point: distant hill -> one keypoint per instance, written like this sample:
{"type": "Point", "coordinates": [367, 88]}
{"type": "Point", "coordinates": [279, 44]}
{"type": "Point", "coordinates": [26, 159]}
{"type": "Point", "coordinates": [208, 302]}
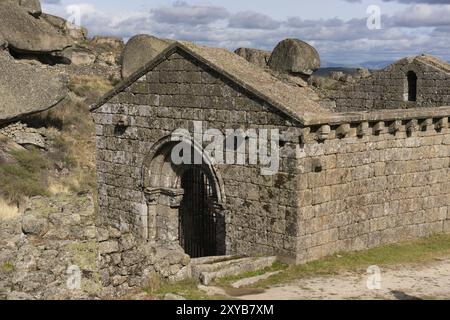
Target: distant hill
{"type": "Point", "coordinates": [324, 72]}
{"type": "Point", "coordinates": [376, 65]}
{"type": "Point", "coordinates": [371, 65]}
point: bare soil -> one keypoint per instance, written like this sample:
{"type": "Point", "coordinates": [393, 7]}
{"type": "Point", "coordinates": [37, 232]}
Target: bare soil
{"type": "Point", "coordinates": [425, 281]}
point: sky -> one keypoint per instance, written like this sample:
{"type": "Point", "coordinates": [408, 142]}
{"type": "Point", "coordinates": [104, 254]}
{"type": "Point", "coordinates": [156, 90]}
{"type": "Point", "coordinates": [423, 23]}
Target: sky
{"type": "Point", "coordinates": [343, 31]}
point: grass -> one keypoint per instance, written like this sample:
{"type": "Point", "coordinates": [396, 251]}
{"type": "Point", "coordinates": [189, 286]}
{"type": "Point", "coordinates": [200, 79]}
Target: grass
{"type": "Point", "coordinates": [406, 253]}
{"type": "Point", "coordinates": [415, 252]}
{"type": "Point", "coordinates": [89, 87]}
{"type": "Point", "coordinates": [7, 267]}
{"type": "Point", "coordinates": [25, 177]}
{"type": "Point", "coordinates": [8, 211]}
{"type": "Point", "coordinates": [72, 131]}
{"type": "Point", "coordinates": [187, 289]}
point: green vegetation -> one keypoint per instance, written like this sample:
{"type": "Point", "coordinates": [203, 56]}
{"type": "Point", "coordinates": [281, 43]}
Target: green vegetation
{"type": "Point", "coordinates": [89, 87]}
{"type": "Point", "coordinates": [84, 254]}
{"type": "Point", "coordinates": [414, 252]}
{"type": "Point", "coordinates": [71, 147]}
{"type": "Point", "coordinates": [407, 253]}
{"type": "Point", "coordinates": [7, 267]}
{"type": "Point", "coordinates": [26, 177]}
{"type": "Point", "coordinates": [187, 289]}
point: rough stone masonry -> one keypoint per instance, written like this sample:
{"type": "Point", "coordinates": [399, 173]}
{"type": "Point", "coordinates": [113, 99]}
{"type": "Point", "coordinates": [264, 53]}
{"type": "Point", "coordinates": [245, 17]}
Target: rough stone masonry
{"type": "Point", "coordinates": [347, 181]}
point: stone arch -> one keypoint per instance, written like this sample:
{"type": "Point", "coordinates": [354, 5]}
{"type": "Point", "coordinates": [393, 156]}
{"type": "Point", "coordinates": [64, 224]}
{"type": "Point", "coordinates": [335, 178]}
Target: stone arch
{"type": "Point", "coordinates": [164, 193]}
{"type": "Point", "coordinates": [159, 172]}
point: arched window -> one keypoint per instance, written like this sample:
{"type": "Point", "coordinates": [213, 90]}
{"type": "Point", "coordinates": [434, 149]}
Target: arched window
{"type": "Point", "coordinates": [412, 86]}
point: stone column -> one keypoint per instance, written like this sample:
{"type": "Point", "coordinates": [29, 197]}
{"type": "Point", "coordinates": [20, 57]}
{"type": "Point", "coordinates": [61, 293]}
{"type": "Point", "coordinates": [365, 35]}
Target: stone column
{"type": "Point", "coordinates": [163, 215]}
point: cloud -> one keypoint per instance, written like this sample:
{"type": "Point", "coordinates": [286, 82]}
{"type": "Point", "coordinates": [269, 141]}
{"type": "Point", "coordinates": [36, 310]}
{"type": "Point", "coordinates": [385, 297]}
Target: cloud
{"type": "Point", "coordinates": [415, 29]}
{"type": "Point", "coordinates": [253, 20]}
{"type": "Point", "coordinates": [183, 13]}
{"type": "Point", "coordinates": [423, 15]}
{"type": "Point", "coordinates": [409, 1]}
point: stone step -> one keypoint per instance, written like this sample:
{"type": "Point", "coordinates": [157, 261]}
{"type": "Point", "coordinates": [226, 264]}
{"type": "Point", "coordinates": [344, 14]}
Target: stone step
{"type": "Point", "coordinates": [234, 268]}
{"type": "Point", "coordinates": [210, 260]}
{"type": "Point", "coordinates": [198, 269]}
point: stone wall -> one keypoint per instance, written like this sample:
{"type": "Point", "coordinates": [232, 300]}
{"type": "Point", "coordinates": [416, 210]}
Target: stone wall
{"type": "Point", "coordinates": [388, 88]}
{"type": "Point", "coordinates": [383, 186]}
{"type": "Point", "coordinates": [343, 184]}
{"type": "Point", "coordinates": [259, 211]}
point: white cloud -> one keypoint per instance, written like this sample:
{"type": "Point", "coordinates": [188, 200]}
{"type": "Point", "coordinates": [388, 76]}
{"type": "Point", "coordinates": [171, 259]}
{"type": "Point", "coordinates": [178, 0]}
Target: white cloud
{"type": "Point", "coordinates": [415, 29]}
{"type": "Point", "coordinates": [183, 13]}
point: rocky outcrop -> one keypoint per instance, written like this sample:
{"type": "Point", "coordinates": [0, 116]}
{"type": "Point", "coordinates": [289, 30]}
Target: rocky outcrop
{"type": "Point", "coordinates": [112, 43]}
{"type": "Point", "coordinates": [3, 44]}
{"type": "Point", "coordinates": [32, 6]}
{"type": "Point", "coordinates": [77, 33]}
{"type": "Point", "coordinates": [296, 57]}
{"type": "Point", "coordinates": [140, 50]}
{"type": "Point", "coordinates": [26, 89]}
{"type": "Point", "coordinates": [51, 251]}
{"type": "Point", "coordinates": [79, 56]}
{"type": "Point", "coordinates": [255, 56]}
{"type": "Point", "coordinates": [26, 33]}
{"type": "Point", "coordinates": [24, 136]}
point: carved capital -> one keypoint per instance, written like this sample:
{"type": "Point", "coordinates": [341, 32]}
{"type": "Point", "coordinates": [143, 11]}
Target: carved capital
{"type": "Point", "coordinates": [173, 197]}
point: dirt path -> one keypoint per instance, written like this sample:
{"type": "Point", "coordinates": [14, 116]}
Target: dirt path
{"type": "Point", "coordinates": [429, 281]}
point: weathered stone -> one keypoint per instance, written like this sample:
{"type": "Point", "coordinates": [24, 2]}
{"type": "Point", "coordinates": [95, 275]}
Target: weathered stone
{"type": "Point", "coordinates": [255, 56]}
{"type": "Point", "coordinates": [294, 56]}
{"type": "Point", "coordinates": [108, 247]}
{"type": "Point", "coordinates": [110, 42]}
{"type": "Point", "coordinates": [348, 183]}
{"type": "Point", "coordinates": [25, 33]}
{"type": "Point", "coordinates": [127, 242]}
{"type": "Point", "coordinates": [139, 50]}
{"type": "Point", "coordinates": [171, 296]}
{"type": "Point", "coordinates": [34, 225]}
{"type": "Point", "coordinates": [102, 234]}
{"type": "Point", "coordinates": [32, 6]}
{"type": "Point", "coordinates": [78, 56]}
{"type": "Point", "coordinates": [390, 88]}
{"type": "Point", "coordinates": [65, 27]}
{"type": "Point", "coordinates": [26, 90]}
{"type": "Point", "coordinates": [30, 138]}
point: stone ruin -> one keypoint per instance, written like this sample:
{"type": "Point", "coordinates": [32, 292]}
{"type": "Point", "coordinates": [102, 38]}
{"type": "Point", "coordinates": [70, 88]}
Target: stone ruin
{"type": "Point", "coordinates": [351, 177]}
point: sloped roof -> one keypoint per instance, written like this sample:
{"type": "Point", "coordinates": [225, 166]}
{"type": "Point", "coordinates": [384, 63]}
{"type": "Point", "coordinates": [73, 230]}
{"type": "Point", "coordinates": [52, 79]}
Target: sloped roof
{"type": "Point", "coordinates": [299, 103]}
{"type": "Point", "coordinates": [435, 62]}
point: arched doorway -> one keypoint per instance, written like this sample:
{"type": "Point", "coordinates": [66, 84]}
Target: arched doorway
{"type": "Point", "coordinates": [198, 224]}
{"type": "Point", "coordinates": [185, 203]}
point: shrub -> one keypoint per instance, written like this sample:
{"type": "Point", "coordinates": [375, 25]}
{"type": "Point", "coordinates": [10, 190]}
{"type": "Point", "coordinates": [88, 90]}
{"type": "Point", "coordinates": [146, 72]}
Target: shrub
{"type": "Point", "coordinates": [24, 178]}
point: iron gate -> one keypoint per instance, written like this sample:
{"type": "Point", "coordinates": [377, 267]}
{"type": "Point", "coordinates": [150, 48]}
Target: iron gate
{"type": "Point", "coordinates": [198, 221]}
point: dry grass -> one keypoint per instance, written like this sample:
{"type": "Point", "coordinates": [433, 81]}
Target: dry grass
{"type": "Point", "coordinates": [7, 211]}
{"type": "Point", "coordinates": [89, 87]}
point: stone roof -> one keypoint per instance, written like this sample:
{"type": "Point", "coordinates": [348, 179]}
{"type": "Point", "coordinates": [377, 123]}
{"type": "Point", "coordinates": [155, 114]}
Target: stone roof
{"type": "Point", "coordinates": [300, 103]}
{"type": "Point", "coordinates": [435, 62]}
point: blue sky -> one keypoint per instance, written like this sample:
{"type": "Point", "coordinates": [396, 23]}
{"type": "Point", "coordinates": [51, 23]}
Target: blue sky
{"type": "Point", "coordinates": [337, 28]}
